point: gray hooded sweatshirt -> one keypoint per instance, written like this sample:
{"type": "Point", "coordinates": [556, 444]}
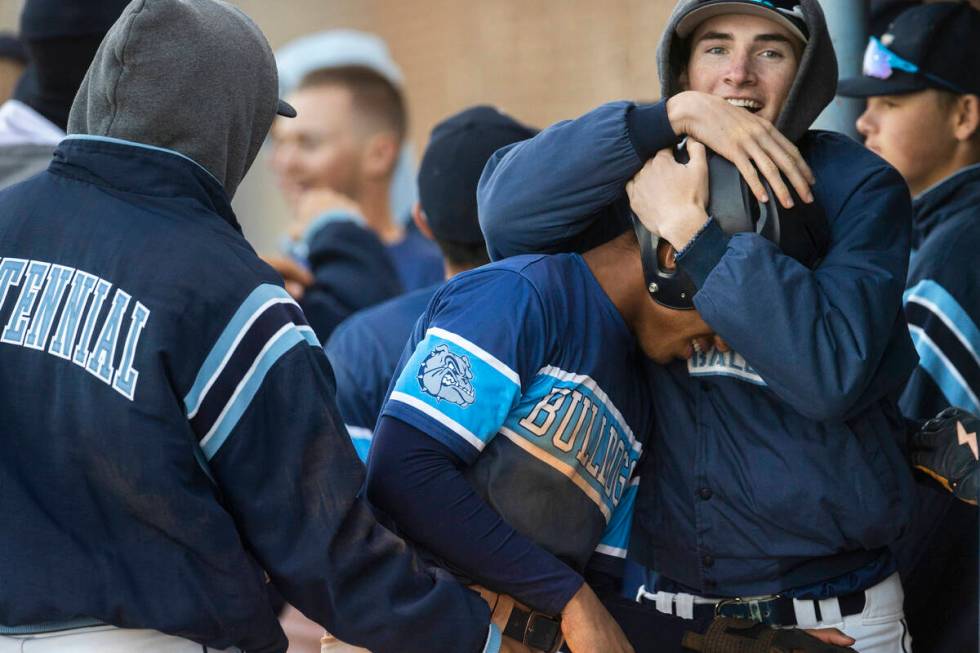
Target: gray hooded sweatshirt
{"type": "Point", "coordinates": [212, 100]}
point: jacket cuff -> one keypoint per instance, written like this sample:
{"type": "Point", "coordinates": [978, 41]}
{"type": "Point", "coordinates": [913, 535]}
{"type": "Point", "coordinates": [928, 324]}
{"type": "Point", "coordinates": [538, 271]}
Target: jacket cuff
{"type": "Point", "coordinates": [301, 249]}
{"type": "Point", "coordinates": [649, 129]}
{"type": "Point", "coordinates": [702, 254]}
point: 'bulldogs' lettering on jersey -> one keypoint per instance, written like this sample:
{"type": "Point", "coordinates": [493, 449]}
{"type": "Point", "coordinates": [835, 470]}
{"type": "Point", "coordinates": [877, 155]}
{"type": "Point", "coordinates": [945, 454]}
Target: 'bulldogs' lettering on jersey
{"type": "Point", "coordinates": [578, 430]}
{"type": "Point", "coordinates": [43, 289]}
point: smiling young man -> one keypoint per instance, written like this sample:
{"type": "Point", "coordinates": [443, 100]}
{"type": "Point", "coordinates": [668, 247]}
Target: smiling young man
{"type": "Point", "coordinates": [777, 473]}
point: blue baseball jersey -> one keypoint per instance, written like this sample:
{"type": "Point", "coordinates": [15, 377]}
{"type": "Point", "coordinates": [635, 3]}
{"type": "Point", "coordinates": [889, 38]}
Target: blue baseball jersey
{"type": "Point", "coordinates": [417, 260]}
{"type": "Point", "coordinates": [364, 352]}
{"type": "Point", "coordinates": [526, 370]}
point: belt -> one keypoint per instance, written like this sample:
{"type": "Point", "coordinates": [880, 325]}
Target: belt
{"type": "Point", "coordinates": [774, 610]}
{"type": "Point", "coordinates": [49, 627]}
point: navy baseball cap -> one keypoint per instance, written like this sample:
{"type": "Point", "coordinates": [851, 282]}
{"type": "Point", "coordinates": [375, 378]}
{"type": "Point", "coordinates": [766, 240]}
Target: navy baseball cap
{"type": "Point", "coordinates": [929, 46]}
{"type": "Point", "coordinates": [788, 13]}
{"type": "Point", "coordinates": [458, 150]}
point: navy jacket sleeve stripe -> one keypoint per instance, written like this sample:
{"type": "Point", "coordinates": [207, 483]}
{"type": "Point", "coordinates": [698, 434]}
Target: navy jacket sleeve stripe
{"type": "Point", "coordinates": [947, 340]}
{"type": "Point", "coordinates": [251, 309]}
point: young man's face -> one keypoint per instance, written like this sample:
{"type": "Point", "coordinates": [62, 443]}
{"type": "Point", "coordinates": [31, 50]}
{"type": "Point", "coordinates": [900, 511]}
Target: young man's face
{"type": "Point", "coordinates": [913, 132]}
{"type": "Point", "coordinates": [749, 61]}
{"type": "Point", "coordinates": [321, 147]}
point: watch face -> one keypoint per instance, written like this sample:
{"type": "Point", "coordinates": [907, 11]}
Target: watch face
{"type": "Point", "coordinates": [543, 633]}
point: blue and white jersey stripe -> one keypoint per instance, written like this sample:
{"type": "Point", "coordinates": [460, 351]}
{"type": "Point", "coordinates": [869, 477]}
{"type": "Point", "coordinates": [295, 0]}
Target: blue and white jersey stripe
{"type": "Point", "coordinates": [947, 341]}
{"type": "Point", "coordinates": [266, 325]}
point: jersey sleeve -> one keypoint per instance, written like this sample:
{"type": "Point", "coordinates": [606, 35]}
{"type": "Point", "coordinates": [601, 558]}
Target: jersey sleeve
{"type": "Point", "coordinates": [483, 337]}
{"type": "Point", "coordinates": [358, 363]}
{"type": "Point", "coordinates": [271, 438]}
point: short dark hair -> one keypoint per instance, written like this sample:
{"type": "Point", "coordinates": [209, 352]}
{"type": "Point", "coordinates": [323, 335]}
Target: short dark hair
{"type": "Point", "coordinates": [372, 93]}
{"type": "Point", "coordinates": [464, 255]}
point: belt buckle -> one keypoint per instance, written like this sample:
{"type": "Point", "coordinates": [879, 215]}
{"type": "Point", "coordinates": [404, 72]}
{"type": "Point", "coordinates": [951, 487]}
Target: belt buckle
{"type": "Point", "coordinates": [752, 607]}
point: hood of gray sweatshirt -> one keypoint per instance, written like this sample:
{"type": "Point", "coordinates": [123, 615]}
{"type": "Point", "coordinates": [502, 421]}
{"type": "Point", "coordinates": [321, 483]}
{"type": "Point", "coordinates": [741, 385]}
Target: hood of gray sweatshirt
{"type": "Point", "coordinates": [814, 85]}
{"type": "Point", "coordinates": [194, 76]}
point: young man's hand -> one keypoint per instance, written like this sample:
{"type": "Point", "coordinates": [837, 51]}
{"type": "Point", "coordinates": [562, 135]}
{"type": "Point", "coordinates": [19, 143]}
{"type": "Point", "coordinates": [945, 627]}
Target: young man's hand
{"type": "Point", "coordinates": [589, 628]}
{"type": "Point", "coordinates": [671, 198]}
{"type": "Point", "coordinates": [752, 143]}
{"type": "Point", "coordinates": [296, 278]}
{"type": "Point", "coordinates": [727, 634]}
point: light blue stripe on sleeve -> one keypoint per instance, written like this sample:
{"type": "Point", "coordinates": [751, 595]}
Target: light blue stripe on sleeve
{"type": "Point", "coordinates": [288, 337]}
{"type": "Point", "coordinates": [943, 372]}
{"type": "Point", "coordinates": [615, 541]}
{"type": "Point", "coordinates": [226, 343]}
{"type": "Point", "coordinates": [937, 299]}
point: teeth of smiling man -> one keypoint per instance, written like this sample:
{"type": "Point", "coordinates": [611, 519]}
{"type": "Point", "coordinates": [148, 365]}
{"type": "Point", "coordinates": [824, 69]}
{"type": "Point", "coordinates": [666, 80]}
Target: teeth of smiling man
{"type": "Point", "coordinates": [744, 103]}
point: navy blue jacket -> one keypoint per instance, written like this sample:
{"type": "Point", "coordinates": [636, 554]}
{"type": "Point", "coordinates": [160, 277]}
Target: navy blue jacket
{"type": "Point", "coordinates": [778, 466]}
{"type": "Point", "coordinates": [352, 270]}
{"type": "Point", "coordinates": [942, 302]}
{"type": "Point", "coordinates": [364, 352]}
{"type": "Point", "coordinates": [169, 430]}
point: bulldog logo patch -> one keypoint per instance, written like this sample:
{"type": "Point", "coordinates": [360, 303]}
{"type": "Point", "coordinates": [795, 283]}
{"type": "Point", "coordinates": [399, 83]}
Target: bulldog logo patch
{"type": "Point", "coordinates": [447, 376]}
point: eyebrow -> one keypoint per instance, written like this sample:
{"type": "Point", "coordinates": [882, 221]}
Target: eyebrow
{"type": "Point", "coordinates": [725, 36]}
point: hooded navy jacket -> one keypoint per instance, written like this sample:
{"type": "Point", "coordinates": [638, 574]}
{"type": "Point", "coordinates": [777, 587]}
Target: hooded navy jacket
{"type": "Point", "coordinates": [169, 428]}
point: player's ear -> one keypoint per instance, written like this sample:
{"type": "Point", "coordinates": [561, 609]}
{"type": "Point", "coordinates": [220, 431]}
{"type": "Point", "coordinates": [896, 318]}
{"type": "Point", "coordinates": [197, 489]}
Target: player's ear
{"type": "Point", "coordinates": [380, 154]}
{"type": "Point", "coordinates": [966, 117]}
{"type": "Point", "coordinates": [421, 221]}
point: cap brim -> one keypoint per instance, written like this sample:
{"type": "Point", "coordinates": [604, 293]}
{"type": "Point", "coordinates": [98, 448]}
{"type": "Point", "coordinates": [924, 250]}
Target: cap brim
{"type": "Point", "coordinates": [696, 16]}
{"type": "Point", "coordinates": [285, 109]}
{"type": "Point", "coordinates": [863, 87]}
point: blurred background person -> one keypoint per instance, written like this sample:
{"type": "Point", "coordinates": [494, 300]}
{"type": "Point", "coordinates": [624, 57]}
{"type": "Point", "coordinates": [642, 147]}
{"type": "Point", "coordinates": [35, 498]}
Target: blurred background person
{"type": "Point", "coordinates": [350, 139]}
{"type": "Point", "coordinates": [365, 349]}
{"type": "Point", "coordinates": [13, 59]}
{"type": "Point", "coordinates": [60, 37]}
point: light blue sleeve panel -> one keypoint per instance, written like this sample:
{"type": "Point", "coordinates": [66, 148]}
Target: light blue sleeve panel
{"type": "Point", "coordinates": [615, 540]}
{"type": "Point", "coordinates": [482, 338]}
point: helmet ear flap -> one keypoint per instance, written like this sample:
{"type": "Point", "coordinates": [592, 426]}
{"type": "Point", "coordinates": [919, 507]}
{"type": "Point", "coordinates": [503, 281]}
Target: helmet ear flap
{"type": "Point", "coordinates": [801, 232]}
{"type": "Point", "coordinates": [667, 284]}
